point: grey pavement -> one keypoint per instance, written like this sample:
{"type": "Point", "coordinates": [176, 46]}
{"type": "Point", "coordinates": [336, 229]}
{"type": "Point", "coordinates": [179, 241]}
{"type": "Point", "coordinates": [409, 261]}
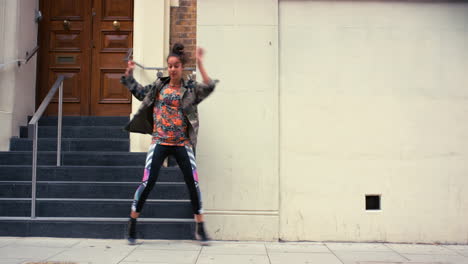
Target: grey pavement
{"type": "Point", "coordinates": [34, 250]}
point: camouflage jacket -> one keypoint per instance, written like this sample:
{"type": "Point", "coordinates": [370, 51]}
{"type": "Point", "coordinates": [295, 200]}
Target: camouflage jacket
{"type": "Point", "coordinates": [192, 94]}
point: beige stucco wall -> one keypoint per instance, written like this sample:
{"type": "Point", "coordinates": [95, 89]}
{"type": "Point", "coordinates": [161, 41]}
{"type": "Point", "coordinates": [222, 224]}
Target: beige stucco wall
{"type": "Point", "coordinates": [356, 98]}
{"type": "Point", "coordinates": [373, 101]}
{"type": "Point", "coordinates": [150, 48]}
{"type": "Point", "coordinates": [239, 179]}
{"type": "Point", "coordinates": [18, 34]}
{"type": "Point", "coordinates": [238, 142]}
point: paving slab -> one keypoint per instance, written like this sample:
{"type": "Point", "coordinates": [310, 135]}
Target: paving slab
{"type": "Point", "coordinates": [421, 249]}
{"type": "Point", "coordinates": [399, 262]}
{"type": "Point", "coordinates": [460, 249]}
{"type": "Point", "coordinates": [297, 248]}
{"type": "Point", "coordinates": [103, 244]}
{"type": "Point", "coordinates": [27, 252]}
{"type": "Point", "coordinates": [14, 261]}
{"type": "Point", "coordinates": [46, 242]}
{"type": "Point", "coordinates": [439, 259]}
{"type": "Point", "coordinates": [162, 256]}
{"type": "Point", "coordinates": [169, 245]}
{"type": "Point", "coordinates": [232, 259]}
{"type": "Point", "coordinates": [373, 247]}
{"type": "Point", "coordinates": [303, 258]}
{"type": "Point", "coordinates": [92, 255]}
{"type": "Point", "coordinates": [4, 241]}
{"type": "Point", "coordinates": [350, 257]}
{"type": "Point", "coordinates": [227, 248]}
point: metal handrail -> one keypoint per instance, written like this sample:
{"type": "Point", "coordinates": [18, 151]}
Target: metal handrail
{"type": "Point", "coordinates": [159, 69]}
{"type": "Point", "coordinates": [33, 132]}
{"type": "Point", "coordinates": [28, 56]}
{"type": "Point", "coordinates": [13, 61]}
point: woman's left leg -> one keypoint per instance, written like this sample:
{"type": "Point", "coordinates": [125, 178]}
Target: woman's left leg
{"type": "Point", "coordinates": [186, 159]}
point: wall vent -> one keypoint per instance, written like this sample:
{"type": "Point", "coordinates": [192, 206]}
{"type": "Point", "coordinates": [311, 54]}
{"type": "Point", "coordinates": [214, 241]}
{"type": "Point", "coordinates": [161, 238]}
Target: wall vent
{"type": "Point", "coordinates": [372, 202]}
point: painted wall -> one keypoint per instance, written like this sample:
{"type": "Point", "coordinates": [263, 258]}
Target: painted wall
{"type": "Point", "coordinates": [373, 100]}
{"type": "Point", "coordinates": [238, 142]}
{"type": "Point", "coordinates": [241, 162]}
{"type": "Point", "coordinates": [150, 48]}
{"type": "Point", "coordinates": [18, 33]}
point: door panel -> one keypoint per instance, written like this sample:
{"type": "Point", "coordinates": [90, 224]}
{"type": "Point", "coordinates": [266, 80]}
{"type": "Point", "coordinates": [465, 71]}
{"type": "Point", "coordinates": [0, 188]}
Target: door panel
{"type": "Point", "coordinates": [71, 85]}
{"type": "Point", "coordinates": [67, 9]}
{"type": "Point", "coordinates": [117, 10]}
{"type": "Point", "coordinates": [111, 90]}
{"type": "Point", "coordinates": [115, 41]}
{"type": "Point", "coordinates": [113, 36]}
{"type": "Point", "coordinates": [88, 48]}
{"type": "Point", "coordinates": [65, 49]}
{"type": "Point", "coordinates": [65, 41]}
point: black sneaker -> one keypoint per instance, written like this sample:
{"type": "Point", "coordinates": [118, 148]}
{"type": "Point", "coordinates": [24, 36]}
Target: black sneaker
{"type": "Point", "coordinates": [200, 234]}
{"type": "Point", "coordinates": [131, 231]}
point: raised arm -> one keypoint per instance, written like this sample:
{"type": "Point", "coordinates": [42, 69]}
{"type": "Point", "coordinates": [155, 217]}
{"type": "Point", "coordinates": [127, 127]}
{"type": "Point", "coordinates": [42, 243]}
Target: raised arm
{"type": "Point", "coordinates": [138, 90]}
{"type": "Point", "coordinates": [207, 86]}
{"type": "Point", "coordinates": [199, 55]}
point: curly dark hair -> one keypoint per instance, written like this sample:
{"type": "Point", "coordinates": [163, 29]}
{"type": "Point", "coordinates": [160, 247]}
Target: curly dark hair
{"type": "Point", "coordinates": [178, 51]}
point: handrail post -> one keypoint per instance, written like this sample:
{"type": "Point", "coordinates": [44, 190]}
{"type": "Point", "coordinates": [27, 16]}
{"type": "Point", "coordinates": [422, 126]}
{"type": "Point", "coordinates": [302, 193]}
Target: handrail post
{"type": "Point", "coordinates": [59, 125]}
{"type": "Point", "coordinates": [34, 171]}
{"type": "Point", "coordinates": [33, 127]}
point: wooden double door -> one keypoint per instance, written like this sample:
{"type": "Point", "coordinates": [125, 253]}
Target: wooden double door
{"type": "Point", "coordinates": [85, 40]}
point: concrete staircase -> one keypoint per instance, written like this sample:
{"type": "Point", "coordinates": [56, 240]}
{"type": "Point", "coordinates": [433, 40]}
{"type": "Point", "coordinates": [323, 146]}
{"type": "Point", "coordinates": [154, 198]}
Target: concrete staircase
{"type": "Point", "coordinates": [89, 196]}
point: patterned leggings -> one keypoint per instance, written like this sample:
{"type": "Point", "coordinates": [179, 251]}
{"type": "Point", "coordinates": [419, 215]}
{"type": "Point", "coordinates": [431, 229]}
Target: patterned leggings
{"type": "Point", "coordinates": [154, 159]}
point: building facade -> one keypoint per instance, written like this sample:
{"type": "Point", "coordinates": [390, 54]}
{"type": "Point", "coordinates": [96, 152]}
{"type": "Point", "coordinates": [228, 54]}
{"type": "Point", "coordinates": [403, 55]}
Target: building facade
{"type": "Point", "coordinates": [320, 105]}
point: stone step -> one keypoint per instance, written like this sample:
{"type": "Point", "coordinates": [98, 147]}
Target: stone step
{"type": "Point", "coordinates": [78, 132]}
{"type": "Point", "coordinates": [84, 120]}
{"type": "Point", "coordinates": [91, 190]}
{"type": "Point", "coordinates": [71, 144]}
{"type": "Point", "coordinates": [78, 158]}
{"type": "Point", "coordinates": [109, 228]}
{"type": "Point", "coordinates": [95, 208]}
{"type": "Point", "coordinates": [86, 173]}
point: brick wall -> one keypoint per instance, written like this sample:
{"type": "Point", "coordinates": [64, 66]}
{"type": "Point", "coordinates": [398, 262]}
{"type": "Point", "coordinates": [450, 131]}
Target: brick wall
{"type": "Point", "coordinates": [184, 27]}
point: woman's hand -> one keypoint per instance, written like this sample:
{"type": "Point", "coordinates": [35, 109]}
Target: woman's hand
{"type": "Point", "coordinates": [130, 67]}
{"type": "Point", "coordinates": [199, 54]}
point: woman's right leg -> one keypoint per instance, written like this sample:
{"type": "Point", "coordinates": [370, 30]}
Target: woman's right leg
{"type": "Point", "coordinates": [154, 160]}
